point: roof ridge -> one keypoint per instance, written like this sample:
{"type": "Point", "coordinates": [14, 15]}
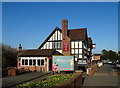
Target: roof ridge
{"type": "Point", "coordinates": [77, 29]}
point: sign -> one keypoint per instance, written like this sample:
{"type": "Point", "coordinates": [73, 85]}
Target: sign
{"type": "Point", "coordinates": [82, 62]}
{"type": "Point", "coordinates": [63, 63]}
{"type": "Point", "coordinates": [66, 46]}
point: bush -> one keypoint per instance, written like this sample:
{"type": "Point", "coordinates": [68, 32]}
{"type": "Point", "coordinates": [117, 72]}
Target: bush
{"type": "Point", "coordinates": [53, 80]}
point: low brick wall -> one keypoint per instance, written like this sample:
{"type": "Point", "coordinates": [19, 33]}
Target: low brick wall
{"type": "Point", "coordinates": [74, 82]}
{"type": "Point", "coordinates": [32, 68]}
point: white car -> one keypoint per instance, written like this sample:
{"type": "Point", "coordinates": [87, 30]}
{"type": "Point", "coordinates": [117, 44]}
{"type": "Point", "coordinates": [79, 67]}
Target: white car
{"type": "Point", "coordinates": [110, 62]}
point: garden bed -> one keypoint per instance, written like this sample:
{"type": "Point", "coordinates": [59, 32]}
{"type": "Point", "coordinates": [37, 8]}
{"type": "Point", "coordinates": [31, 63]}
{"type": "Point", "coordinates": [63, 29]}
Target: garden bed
{"type": "Point", "coordinates": [55, 81]}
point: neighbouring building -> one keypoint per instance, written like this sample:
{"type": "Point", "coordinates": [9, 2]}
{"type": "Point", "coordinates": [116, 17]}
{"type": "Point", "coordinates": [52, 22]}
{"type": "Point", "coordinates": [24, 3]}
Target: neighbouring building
{"type": "Point", "coordinates": [96, 57]}
{"type": "Point", "coordinates": [63, 41]}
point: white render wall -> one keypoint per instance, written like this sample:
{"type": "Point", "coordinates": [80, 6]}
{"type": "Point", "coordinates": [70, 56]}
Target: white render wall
{"type": "Point", "coordinates": [80, 44]}
{"type": "Point", "coordinates": [54, 37]}
{"type": "Point", "coordinates": [59, 51]}
{"type": "Point", "coordinates": [76, 43]}
{"type": "Point", "coordinates": [72, 44]}
{"type": "Point", "coordinates": [80, 56]}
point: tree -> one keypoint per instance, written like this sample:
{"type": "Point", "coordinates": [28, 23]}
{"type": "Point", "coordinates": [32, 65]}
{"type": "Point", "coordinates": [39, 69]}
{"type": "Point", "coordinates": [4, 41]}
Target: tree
{"type": "Point", "coordinates": [113, 56]}
{"type": "Point", "coordinates": [104, 55]}
{"type": "Point", "coordinates": [9, 56]}
{"type": "Point", "coordinates": [109, 55]}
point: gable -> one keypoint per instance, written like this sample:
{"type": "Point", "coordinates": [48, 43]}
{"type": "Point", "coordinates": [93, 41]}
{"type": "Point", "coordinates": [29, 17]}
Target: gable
{"type": "Point", "coordinates": [56, 35]}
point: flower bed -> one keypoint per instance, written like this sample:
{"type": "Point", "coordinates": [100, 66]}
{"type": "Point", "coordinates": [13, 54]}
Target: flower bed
{"type": "Point", "coordinates": [54, 80]}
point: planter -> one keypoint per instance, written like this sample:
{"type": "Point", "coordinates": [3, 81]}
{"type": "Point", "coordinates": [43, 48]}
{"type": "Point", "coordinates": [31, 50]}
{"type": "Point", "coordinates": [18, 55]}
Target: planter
{"type": "Point", "coordinates": [12, 71]}
{"type": "Point", "coordinates": [74, 82]}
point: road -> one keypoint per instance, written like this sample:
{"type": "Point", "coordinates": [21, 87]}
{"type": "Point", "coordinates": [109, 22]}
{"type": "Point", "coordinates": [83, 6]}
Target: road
{"type": "Point", "coordinates": [104, 76]}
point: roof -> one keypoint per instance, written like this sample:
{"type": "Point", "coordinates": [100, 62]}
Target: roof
{"type": "Point", "coordinates": [77, 34]}
{"type": "Point", "coordinates": [39, 52]}
{"type": "Point", "coordinates": [97, 54]}
{"type": "Point", "coordinates": [73, 34]}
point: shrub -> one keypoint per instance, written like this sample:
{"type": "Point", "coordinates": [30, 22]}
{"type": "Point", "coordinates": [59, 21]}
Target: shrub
{"type": "Point", "coordinates": [51, 81]}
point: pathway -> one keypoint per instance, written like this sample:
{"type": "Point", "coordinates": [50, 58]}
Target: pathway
{"type": "Point", "coordinates": [105, 76]}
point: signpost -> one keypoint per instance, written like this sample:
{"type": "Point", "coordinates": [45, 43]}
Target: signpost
{"type": "Point", "coordinates": [63, 63]}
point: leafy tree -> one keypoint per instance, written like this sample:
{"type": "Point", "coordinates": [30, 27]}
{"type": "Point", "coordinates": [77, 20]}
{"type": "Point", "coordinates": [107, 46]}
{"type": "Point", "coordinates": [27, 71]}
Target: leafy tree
{"type": "Point", "coordinates": [109, 55]}
{"type": "Point", "coordinates": [113, 56]}
{"type": "Point", "coordinates": [104, 55]}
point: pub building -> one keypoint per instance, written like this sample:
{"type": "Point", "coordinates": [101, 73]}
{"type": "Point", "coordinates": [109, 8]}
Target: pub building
{"type": "Point", "coordinates": [60, 42]}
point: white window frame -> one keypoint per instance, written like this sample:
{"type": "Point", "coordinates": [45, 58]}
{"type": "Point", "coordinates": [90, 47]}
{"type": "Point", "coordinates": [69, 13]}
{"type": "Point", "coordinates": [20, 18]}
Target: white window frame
{"type": "Point", "coordinates": [32, 61]}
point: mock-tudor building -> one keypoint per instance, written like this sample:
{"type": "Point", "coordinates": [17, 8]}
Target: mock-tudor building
{"type": "Point", "coordinates": [67, 42]}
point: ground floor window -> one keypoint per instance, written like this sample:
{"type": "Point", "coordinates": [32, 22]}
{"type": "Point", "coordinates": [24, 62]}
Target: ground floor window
{"type": "Point", "coordinates": [32, 62]}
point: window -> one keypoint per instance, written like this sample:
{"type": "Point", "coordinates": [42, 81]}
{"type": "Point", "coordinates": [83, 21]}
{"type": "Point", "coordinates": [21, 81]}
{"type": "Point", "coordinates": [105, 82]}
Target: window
{"type": "Point", "coordinates": [26, 61]}
{"type": "Point", "coordinates": [30, 62]}
{"type": "Point", "coordinates": [56, 45]}
{"type": "Point", "coordinates": [38, 62]}
{"type": "Point", "coordinates": [34, 62]}
{"type": "Point", "coordinates": [23, 61]}
{"type": "Point", "coordinates": [59, 44]}
{"type": "Point", "coordinates": [42, 62]}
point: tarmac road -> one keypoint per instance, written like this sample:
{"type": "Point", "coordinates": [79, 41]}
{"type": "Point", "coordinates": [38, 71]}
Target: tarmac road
{"type": "Point", "coordinates": [106, 76]}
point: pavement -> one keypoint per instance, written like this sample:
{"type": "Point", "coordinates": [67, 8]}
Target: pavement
{"type": "Point", "coordinates": [106, 76]}
{"type": "Point", "coordinates": [12, 81]}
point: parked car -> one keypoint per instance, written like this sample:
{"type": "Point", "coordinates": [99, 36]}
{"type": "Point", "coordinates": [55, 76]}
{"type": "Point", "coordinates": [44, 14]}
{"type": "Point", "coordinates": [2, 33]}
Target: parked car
{"type": "Point", "coordinates": [117, 64]}
{"type": "Point", "coordinates": [110, 62]}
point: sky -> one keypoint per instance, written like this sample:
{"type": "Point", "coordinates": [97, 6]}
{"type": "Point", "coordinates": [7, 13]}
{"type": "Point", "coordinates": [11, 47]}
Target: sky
{"type": "Point", "coordinates": [30, 23]}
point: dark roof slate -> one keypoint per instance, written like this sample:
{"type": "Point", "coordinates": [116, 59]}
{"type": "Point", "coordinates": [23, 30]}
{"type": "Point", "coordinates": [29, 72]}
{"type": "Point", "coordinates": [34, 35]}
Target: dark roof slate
{"type": "Point", "coordinates": [37, 52]}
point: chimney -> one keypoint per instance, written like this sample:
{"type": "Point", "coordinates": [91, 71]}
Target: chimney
{"type": "Point", "coordinates": [64, 28]}
{"type": "Point", "coordinates": [19, 49]}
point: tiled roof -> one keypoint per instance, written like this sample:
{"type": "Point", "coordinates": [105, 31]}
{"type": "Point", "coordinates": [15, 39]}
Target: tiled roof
{"type": "Point", "coordinates": [38, 52]}
{"type": "Point", "coordinates": [77, 34]}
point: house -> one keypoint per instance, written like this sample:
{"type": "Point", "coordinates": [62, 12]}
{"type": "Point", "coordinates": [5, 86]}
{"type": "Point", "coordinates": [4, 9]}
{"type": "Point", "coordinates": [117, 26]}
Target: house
{"type": "Point", "coordinates": [36, 59]}
{"type": "Point", "coordinates": [70, 42]}
{"type": "Point", "coordinates": [96, 57]}
{"type": "Point", "coordinates": [64, 41]}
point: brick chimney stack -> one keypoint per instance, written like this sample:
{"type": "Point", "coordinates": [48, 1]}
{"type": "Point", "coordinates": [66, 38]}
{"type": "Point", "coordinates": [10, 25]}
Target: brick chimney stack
{"type": "Point", "coordinates": [64, 28]}
{"type": "Point", "coordinates": [65, 39]}
{"type": "Point", "coordinates": [19, 49]}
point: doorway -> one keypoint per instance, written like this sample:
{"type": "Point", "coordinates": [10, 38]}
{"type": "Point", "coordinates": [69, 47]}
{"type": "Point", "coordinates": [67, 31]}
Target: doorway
{"type": "Point", "coordinates": [50, 64]}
